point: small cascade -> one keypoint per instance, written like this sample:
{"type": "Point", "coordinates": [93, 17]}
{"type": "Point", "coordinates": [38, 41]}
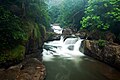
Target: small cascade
{"type": "Point", "coordinates": [68, 48]}
{"type": "Point", "coordinates": [77, 45]}
{"type": "Point", "coordinates": [61, 39]}
{"type": "Point", "coordinates": [70, 41]}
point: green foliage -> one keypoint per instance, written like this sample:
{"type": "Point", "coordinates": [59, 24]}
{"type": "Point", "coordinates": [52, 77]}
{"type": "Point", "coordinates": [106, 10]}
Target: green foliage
{"type": "Point", "coordinates": [15, 14]}
{"type": "Point", "coordinates": [37, 33]}
{"type": "Point", "coordinates": [101, 43]}
{"type": "Point", "coordinates": [49, 35]}
{"type": "Point", "coordinates": [68, 12]}
{"type": "Point", "coordinates": [72, 12]}
{"type": "Point", "coordinates": [18, 20]}
{"type": "Point", "coordinates": [54, 12]}
{"type": "Point", "coordinates": [37, 11]}
{"type": "Point", "coordinates": [93, 22]}
{"type": "Point", "coordinates": [14, 55]}
{"type": "Point", "coordinates": [34, 10]}
{"type": "Point", "coordinates": [102, 15]}
{"type": "Point", "coordinates": [43, 32]}
{"type": "Point", "coordinates": [11, 31]}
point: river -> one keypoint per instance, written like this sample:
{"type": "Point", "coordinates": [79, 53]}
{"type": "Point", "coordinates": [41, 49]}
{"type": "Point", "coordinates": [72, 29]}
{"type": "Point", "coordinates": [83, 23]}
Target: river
{"type": "Point", "coordinates": [64, 61]}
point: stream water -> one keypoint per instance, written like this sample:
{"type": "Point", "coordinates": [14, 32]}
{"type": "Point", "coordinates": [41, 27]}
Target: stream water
{"type": "Point", "coordinates": [64, 61]}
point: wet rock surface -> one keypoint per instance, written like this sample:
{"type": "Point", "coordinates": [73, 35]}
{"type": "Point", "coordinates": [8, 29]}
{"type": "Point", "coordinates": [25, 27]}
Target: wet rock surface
{"type": "Point", "coordinates": [29, 69]}
{"type": "Point", "coordinates": [67, 31]}
{"type": "Point", "coordinates": [83, 34]}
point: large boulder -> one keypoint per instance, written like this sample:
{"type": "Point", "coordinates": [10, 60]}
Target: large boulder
{"type": "Point", "coordinates": [95, 35]}
{"type": "Point", "coordinates": [67, 31]}
{"type": "Point", "coordinates": [82, 34]}
{"type": "Point", "coordinates": [36, 39]}
{"type": "Point", "coordinates": [30, 69]}
{"type": "Point", "coordinates": [109, 36]}
{"type": "Point", "coordinates": [103, 51]}
{"type": "Point", "coordinates": [50, 36]}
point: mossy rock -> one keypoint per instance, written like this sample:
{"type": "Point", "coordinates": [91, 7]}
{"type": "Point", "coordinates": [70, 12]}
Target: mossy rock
{"type": "Point", "coordinates": [43, 31]}
{"type": "Point", "coordinates": [101, 43]}
{"type": "Point", "coordinates": [14, 55]}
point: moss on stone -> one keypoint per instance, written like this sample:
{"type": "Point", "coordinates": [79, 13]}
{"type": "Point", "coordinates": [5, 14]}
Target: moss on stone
{"type": "Point", "coordinates": [14, 55]}
{"type": "Point", "coordinates": [43, 31]}
{"type": "Point", "coordinates": [101, 43]}
{"type": "Point", "coordinates": [37, 32]}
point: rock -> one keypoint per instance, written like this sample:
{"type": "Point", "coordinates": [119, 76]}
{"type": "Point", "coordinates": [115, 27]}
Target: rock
{"type": "Point", "coordinates": [52, 36]}
{"type": "Point", "coordinates": [71, 47]}
{"type": "Point", "coordinates": [94, 35]}
{"type": "Point", "coordinates": [82, 34]}
{"type": "Point", "coordinates": [56, 37]}
{"type": "Point", "coordinates": [109, 36]}
{"type": "Point", "coordinates": [67, 31]}
{"type": "Point", "coordinates": [109, 54]}
{"type": "Point", "coordinates": [30, 69]}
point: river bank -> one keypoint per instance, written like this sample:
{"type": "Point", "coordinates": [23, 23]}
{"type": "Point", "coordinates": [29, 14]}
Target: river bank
{"type": "Point", "coordinates": [25, 62]}
{"type": "Point", "coordinates": [29, 69]}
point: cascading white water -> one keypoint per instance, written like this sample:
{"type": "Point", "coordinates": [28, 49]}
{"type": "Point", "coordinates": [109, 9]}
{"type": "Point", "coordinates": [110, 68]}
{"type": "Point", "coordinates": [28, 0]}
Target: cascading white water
{"type": "Point", "coordinates": [68, 48]}
{"type": "Point", "coordinates": [70, 41]}
{"type": "Point", "coordinates": [77, 45]}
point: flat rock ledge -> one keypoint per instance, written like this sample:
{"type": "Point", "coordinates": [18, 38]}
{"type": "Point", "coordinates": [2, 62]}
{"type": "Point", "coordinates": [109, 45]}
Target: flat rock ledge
{"type": "Point", "coordinates": [29, 69]}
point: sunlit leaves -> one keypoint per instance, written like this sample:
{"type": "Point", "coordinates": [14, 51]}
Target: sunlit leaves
{"type": "Point", "coordinates": [102, 14]}
{"type": "Point", "coordinates": [105, 4]}
{"type": "Point", "coordinates": [92, 22]}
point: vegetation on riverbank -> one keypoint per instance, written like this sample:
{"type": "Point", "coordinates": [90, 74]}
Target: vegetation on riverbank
{"type": "Point", "coordinates": [21, 23]}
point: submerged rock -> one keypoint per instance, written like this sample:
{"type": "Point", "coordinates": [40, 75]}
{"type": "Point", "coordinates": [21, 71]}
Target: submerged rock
{"type": "Point", "coordinates": [30, 69]}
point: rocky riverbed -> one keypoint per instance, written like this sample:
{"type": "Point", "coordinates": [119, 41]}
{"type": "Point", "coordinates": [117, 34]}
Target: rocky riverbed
{"type": "Point", "coordinates": [29, 69]}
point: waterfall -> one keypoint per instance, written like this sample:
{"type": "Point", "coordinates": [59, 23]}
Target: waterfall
{"type": "Point", "coordinates": [77, 45]}
{"type": "Point", "coordinates": [70, 41]}
{"type": "Point", "coordinates": [61, 39]}
{"type": "Point", "coordinates": [68, 48]}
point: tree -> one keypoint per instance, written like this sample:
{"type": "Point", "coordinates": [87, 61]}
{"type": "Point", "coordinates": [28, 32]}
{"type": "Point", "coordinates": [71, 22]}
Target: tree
{"type": "Point", "coordinates": [14, 14]}
{"type": "Point", "coordinates": [34, 10]}
{"type": "Point", "coordinates": [11, 31]}
{"type": "Point", "coordinates": [71, 12]}
{"type": "Point", "coordinates": [102, 15]}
